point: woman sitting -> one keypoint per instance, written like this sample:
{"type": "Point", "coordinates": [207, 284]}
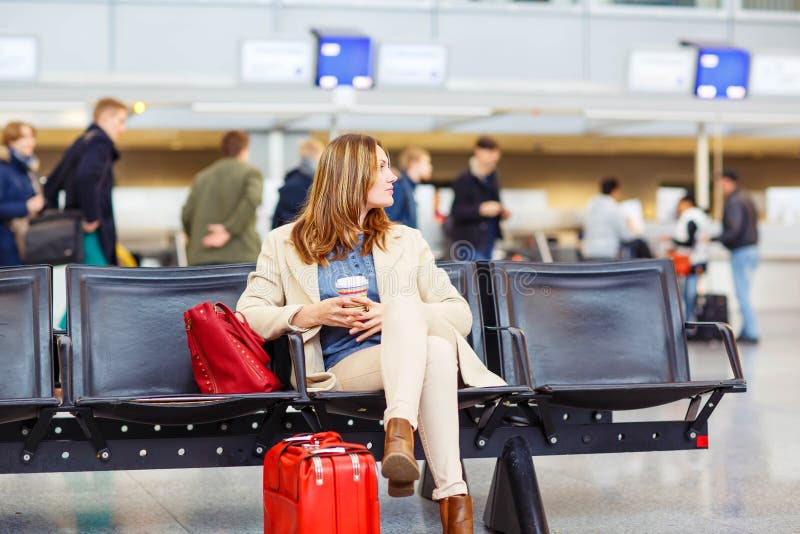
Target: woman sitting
{"type": "Point", "coordinates": [406, 336]}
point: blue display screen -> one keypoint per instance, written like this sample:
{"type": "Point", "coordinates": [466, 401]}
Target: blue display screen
{"type": "Point", "coordinates": [344, 60]}
{"type": "Point", "coordinates": [722, 73]}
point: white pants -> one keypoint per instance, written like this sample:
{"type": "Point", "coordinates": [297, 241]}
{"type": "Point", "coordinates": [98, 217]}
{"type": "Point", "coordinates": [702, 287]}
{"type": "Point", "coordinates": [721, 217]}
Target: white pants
{"type": "Point", "coordinates": [416, 364]}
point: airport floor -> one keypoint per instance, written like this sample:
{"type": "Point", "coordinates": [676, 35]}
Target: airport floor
{"type": "Point", "coordinates": [747, 482]}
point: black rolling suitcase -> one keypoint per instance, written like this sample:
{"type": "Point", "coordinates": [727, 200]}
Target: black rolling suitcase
{"type": "Point", "coordinates": [710, 308]}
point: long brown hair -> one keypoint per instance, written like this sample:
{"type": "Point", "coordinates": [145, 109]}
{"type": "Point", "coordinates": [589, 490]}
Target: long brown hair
{"type": "Point", "coordinates": [329, 221]}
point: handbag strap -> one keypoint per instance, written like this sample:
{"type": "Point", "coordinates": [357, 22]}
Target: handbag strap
{"type": "Point", "coordinates": [242, 329]}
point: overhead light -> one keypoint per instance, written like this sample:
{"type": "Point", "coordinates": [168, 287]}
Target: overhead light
{"type": "Point", "coordinates": [648, 115]}
{"type": "Point", "coordinates": [40, 105]}
{"type": "Point", "coordinates": [435, 111]}
{"type": "Point", "coordinates": [139, 107]}
{"type": "Point", "coordinates": [645, 115]}
{"type": "Point", "coordinates": [262, 108]}
{"type": "Point", "coordinates": [356, 109]}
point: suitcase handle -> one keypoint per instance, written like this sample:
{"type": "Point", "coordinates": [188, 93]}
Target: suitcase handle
{"type": "Point", "coordinates": [343, 448]}
{"type": "Point", "coordinates": [336, 450]}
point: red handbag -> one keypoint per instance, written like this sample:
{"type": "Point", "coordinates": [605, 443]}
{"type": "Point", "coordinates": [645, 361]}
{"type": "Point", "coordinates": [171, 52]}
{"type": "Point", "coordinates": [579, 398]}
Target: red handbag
{"type": "Point", "coordinates": [317, 484]}
{"type": "Point", "coordinates": [227, 356]}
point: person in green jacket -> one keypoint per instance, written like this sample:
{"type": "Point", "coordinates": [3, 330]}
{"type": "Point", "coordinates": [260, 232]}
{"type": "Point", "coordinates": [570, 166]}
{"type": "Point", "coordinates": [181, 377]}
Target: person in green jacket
{"type": "Point", "coordinates": [219, 216]}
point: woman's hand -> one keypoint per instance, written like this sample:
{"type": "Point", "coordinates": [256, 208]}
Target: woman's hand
{"type": "Point", "coordinates": [336, 311]}
{"type": "Point", "coordinates": [370, 322]}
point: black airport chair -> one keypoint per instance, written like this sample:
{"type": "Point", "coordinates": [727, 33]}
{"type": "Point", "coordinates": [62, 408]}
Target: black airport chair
{"type": "Point", "coordinates": [26, 342]}
{"type": "Point", "coordinates": [128, 354]}
{"type": "Point", "coordinates": [603, 336]}
{"type": "Point", "coordinates": [371, 405]}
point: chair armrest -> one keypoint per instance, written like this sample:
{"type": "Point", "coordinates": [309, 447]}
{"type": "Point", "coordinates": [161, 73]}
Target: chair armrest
{"type": "Point", "coordinates": [729, 340]}
{"type": "Point", "coordinates": [298, 355]}
{"type": "Point", "coordinates": [520, 351]}
{"type": "Point", "coordinates": [64, 355]}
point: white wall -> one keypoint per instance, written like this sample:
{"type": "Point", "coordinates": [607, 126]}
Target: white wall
{"type": "Point", "coordinates": [199, 41]}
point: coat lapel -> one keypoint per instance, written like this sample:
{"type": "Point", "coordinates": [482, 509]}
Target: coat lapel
{"type": "Point", "coordinates": [386, 263]}
{"type": "Point", "coordinates": [385, 268]}
{"type": "Point", "coordinates": [305, 275]}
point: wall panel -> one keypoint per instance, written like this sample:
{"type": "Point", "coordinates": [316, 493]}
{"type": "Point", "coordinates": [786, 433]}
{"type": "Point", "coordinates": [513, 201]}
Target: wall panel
{"type": "Point", "coordinates": [543, 46]}
{"type": "Point", "coordinates": [73, 37]}
{"type": "Point", "coordinates": [611, 40]}
{"type": "Point", "coordinates": [187, 40]}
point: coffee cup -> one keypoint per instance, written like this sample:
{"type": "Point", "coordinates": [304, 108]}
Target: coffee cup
{"type": "Point", "coordinates": [352, 286]}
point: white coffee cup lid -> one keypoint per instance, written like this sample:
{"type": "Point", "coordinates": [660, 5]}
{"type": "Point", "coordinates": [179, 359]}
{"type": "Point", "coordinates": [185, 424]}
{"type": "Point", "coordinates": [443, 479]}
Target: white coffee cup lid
{"type": "Point", "coordinates": [351, 281]}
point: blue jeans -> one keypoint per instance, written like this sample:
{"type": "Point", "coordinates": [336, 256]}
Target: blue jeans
{"type": "Point", "coordinates": [744, 261]}
{"type": "Point", "coordinates": [690, 296]}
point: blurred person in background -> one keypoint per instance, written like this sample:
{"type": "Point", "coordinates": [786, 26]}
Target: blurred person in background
{"type": "Point", "coordinates": [476, 212]}
{"type": "Point", "coordinates": [86, 174]}
{"type": "Point", "coordinates": [19, 197]}
{"type": "Point", "coordinates": [219, 216]}
{"type": "Point", "coordinates": [692, 239]}
{"type": "Point", "coordinates": [740, 236]}
{"type": "Point", "coordinates": [604, 224]}
{"type": "Point", "coordinates": [415, 167]}
{"type": "Point", "coordinates": [292, 196]}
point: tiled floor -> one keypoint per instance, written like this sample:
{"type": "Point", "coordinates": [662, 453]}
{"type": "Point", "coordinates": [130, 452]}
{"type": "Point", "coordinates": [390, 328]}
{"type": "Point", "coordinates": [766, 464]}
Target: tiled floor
{"type": "Point", "coordinates": [748, 481]}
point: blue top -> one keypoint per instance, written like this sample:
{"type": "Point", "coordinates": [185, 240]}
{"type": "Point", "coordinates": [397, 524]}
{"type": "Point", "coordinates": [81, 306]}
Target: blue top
{"type": "Point", "coordinates": [337, 343]}
{"type": "Point", "coordinates": [404, 209]}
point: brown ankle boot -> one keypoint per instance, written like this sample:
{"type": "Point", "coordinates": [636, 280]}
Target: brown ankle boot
{"type": "Point", "coordinates": [398, 464]}
{"type": "Point", "coordinates": [456, 512]}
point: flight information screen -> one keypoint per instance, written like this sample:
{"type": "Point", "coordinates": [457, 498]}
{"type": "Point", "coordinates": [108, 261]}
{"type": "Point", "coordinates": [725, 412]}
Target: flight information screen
{"type": "Point", "coordinates": [722, 73]}
{"type": "Point", "coordinates": [344, 60]}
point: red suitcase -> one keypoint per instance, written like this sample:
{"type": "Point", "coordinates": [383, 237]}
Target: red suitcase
{"type": "Point", "coordinates": [317, 484]}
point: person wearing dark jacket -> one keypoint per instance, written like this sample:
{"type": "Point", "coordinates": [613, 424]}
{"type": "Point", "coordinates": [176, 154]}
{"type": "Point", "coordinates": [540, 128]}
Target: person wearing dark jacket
{"type": "Point", "coordinates": [86, 174]}
{"type": "Point", "coordinates": [476, 210]}
{"type": "Point", "coordinates": [740, 236]}
{"type": "Point", "coordinates": [18, 199]}
{"type": "Point", "coordinates": [415, 167]}
{"type": "Point", "coordinates": [292, 196]}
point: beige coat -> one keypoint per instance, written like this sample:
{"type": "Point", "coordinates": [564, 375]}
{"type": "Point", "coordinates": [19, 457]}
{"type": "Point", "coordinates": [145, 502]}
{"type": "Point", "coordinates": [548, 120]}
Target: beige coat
{"type": "Point", "coordinates": [282, 284]}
